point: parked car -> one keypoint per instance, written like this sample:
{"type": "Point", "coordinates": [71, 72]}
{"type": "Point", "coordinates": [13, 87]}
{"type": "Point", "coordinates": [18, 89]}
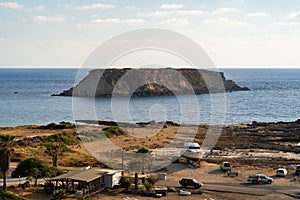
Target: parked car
{"type": "Point", "coordinates": [225, 166]}
{"type": "Point", "coordinates": [297, 171]}
{"type": "Point", "coordinates": [260, 178]}
{"type": "Point", "coordinates": [281, 172]}
{"type": "Point", "coordinates": [184, 193]}
{"type": "Point", "coordinates": [190, 182]}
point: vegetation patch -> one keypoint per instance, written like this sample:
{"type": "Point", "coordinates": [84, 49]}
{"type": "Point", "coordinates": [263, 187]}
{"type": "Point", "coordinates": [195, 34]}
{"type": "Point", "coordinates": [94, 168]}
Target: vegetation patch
{"type": "Point", "coordinates": [64, 137]}
{"type": "Point", "coordinates": [113, 131]}
{"type": "Point", "coordinates": [61, 125]}
{"type": "Point", "coordinates": [143, 150]}
{"type": "Point", "coordinates": [32, 167]}
{"type": "Point", "coordinates": [9, 196]}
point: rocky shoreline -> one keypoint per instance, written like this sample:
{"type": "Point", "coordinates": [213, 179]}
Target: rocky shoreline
{"type": "Point", "coordinates": [151, 83]}
{"type": "Point", "coordinates": [259, 144]}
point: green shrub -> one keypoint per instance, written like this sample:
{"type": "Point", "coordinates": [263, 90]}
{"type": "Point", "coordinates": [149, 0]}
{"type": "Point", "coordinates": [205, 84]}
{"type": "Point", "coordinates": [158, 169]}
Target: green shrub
{"type": "Point", "coordinates": [61, 125]}
{"type": "Point", "coordinates": [148, 186]}
{"type": "Point", "coordinates": [152, 180]}
{"type": "Point", "coordinates": [86, 197]}
{"type": "Point", "coordinates": [64, 137]}
{"type": "Point", "coordinates": [9, 196]}
{"type": "Point", "coordinates": [200, 192]}
{"type": "Point", "coordinates": [95, 134]}
{"type": "Point", "coordinates": [35, 168]}
{"type": "Point", "coordinates": [143, 150]}
{"type": "Point", "coordinates": [126, 182]}
{"type": "Point", "coordinates": [113, 131]}
{"type": "Point", "coordinates": [58, 194]}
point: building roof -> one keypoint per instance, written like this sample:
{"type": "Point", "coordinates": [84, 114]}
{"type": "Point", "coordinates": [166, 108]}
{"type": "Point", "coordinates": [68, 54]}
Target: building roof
{"type": "Point", "coordinates": [109, 171]}
{"type": "Point", "coordinates": [81, 175]}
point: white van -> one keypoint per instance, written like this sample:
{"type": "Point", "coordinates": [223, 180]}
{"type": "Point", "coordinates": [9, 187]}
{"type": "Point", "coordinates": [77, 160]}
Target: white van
{"type": "Point", "coordinates": [281, 172]}
{"type": "Point", "coordinates": [225, 166]}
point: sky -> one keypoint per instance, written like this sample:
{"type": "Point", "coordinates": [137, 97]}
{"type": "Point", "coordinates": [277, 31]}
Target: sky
{"type": "Point", "coordinates": [234, 33]}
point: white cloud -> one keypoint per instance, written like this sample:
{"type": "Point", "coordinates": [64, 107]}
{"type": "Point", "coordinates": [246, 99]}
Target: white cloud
{"type": "Point", "coordinates": [11, 5]}
{"type": "Point", "coordinates": [221, 11]}
{"type": "Point", "coordinates": [225, 21]}
{"type": "Point", "coordinates": [94, 6]}
{"type": "Point", "coordinates": [293, 15]}
{"type": "Point", "coordinates": [287, 23]}
{"type": "Point", "coordinates": [40, 8]}
{"type": "Point", "coordinates": [171, 6]}
{"type": "Point", "coordinates": [191, 12]}
{"type": "Point", "coordinates": [155, 14]}
{"type": "Point", "coordinates": [132, 8]}
{"type": "Point", "coordinates": [44, 19]}
{"type": "Point", "coordinates": [93, 16]}
{"type": "Point", "coordinates": [117, 21]}
{"type": "Point", "coordinates": [257, 14]}
{"type": "Point", "coordinates": [175, 22]}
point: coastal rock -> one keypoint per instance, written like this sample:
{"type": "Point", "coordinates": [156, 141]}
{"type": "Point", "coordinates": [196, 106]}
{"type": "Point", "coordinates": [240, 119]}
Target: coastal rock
{"type": "Point", "coordinates": [150, 83]}
{"type": "Point", "coordinates": [30, 140]}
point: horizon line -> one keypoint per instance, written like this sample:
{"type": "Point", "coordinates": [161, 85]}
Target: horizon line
{"type": "Point", "coordinates": [215, 67]}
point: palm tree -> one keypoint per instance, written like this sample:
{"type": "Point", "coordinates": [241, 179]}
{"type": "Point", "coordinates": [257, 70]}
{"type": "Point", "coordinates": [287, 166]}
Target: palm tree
{"type": "Point", "coordinates": [7, 143]}
{"type": "Point", "coordinates": [55, 149]}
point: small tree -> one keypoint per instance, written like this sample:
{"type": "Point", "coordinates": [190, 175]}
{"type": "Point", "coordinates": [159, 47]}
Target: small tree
{"type": "Point", "coordinates": [36, 168]}
{"type": "Point", "coordinates": [126, 182]}
{"type": "Point", "coordinates": [143, 155]}
{"type": "Point", "coordinates": [7, 143]}
{"type": "Point", "coordinates": [148, 186]}
{"type": "Point", "coordinates": [55, 149]}
{"type": "Point", "coordinates": [143, 150]}
{"type": "Point", "coordinates": [152, 180]}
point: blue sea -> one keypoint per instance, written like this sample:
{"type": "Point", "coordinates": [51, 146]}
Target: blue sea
{"type": "Point", "coordinates": [25, 99]}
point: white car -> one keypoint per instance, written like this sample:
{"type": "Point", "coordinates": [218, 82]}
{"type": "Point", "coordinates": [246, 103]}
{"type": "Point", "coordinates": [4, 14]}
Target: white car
{"type": "Point", "coordinates": [225, 166]}
{"type": "Point", "coordinates": [281, 172]}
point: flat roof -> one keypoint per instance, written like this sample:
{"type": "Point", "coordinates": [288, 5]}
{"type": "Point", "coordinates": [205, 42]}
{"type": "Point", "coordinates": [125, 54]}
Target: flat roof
{"type": "Point", "coordinates": [81, 175]}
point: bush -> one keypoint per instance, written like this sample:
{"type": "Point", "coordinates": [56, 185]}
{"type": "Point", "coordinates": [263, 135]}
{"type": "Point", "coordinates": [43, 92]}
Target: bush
{"type": "Point", "coordinates": [64, 137]}
{"type": "Point", "coordinates": [148, 186]}
{"type": "Point", "coordinates": [86, 197]}
{"type": "Point", "coordinates": [126, 182]}
{"type": "Point", "coordinates": [58, 194]}
{"type": "Point", "coordinates": [9, 196]}
{"type": "Point", "coordinates": [35, 168]}
{"type": "Point", "coordinates": [200, 192]}
{"type": "Point", "coordinates": [152, 180]}
{"type": "Point", "coordinates": [113, 131]}
{"type": "Point", "coordinates": [61, 125]}
{"type": "Point", "coordinates": [143, 150]}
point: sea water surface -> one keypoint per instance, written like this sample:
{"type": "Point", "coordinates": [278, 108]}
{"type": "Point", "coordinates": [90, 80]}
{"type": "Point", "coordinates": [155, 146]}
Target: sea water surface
{"type": "Point", "coordinates": [25, 99]}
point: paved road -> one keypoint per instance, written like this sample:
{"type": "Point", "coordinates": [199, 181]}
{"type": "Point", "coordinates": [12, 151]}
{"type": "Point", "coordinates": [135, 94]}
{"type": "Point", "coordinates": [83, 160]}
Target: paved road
{"type": "Point", "coordinates": [242, 188]}
{"type": "Point", "coordinates": [13, 181]}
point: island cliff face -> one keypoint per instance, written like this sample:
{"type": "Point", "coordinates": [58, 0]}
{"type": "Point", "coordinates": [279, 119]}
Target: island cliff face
{"type": "Point", "coordinates": [151, 82]}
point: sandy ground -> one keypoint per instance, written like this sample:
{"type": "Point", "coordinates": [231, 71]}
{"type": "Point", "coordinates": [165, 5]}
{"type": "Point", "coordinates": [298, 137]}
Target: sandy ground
{"type": "Point", "coordinates": [28, 131]}
{"type": "Point", "coordinates": [240, 144]}
{"type": "Point", "coordinates": [207, 173]}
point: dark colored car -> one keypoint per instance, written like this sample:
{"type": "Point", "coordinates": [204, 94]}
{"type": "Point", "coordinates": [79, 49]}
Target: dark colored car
{"type": "Point", "coordinates": [190, 182]}
{"type": "Point", "coordinates": [297, 171]}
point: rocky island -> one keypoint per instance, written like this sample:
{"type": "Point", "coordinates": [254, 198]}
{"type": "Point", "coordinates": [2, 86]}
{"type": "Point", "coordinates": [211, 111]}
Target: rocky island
{"type": "Point", "coordinates": [150, 82]}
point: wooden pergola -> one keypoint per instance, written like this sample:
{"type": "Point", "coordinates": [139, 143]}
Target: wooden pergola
{"type": "Point", "coordinates": [82, 181]}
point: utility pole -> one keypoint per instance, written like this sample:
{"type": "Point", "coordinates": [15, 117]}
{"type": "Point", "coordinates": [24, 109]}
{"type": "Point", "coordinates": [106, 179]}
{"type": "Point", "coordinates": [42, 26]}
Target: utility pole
{"type": "Point", "coordinates": [122, 162]}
